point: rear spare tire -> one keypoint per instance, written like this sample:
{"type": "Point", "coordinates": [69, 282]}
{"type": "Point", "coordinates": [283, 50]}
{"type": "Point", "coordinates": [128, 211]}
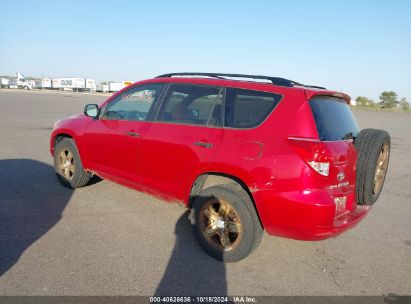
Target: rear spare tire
{"type": "Point", "coordinates": [373, 149]}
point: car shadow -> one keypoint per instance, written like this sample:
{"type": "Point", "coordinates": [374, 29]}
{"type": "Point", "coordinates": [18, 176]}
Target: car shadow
{"type": "Point", "coordinates": [190, 271]}
{"type": "Point", "coordinates": [94, 180]}
{"type": "Point", "coordinates": [31, 203]}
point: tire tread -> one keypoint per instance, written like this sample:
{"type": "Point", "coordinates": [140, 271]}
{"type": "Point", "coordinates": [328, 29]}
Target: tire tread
{"type": "Point", "coordinates": [249, 217]}
{"type": "Point", "coordinates": [81, 177]}
{"type": "Point", "coordinates": [368, 145]}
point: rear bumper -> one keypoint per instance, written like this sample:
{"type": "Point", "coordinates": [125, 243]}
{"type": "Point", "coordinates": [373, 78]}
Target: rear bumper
{"type": "Point", "coordinates": [340, 224]}
{"type": "Point", "coordinates": [307, 215]}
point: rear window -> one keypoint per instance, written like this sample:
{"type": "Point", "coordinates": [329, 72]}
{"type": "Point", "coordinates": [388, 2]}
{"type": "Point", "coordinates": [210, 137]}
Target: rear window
{"type": "Point", "coordinates": [334, 119]}
{"type": "Point", "coordinates": [247, 108]}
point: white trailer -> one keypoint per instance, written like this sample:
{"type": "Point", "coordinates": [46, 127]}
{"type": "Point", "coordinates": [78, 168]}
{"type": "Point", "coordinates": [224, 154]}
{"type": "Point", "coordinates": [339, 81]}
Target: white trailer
{"type": "Point", "coordinates": [117, 86]}
{"type": "Point", "coordinates": [90, 84]}
{"type": "Point", "coordinates": [75, 84]}
{"type": "Point", "coordinates": [56, 83]}
{"type": "Point", "coordinates": [43, 83]}
{"type": "Point", "coordinates": [4, 83]}
{"type": "Point", "coordinates": [102, 88]}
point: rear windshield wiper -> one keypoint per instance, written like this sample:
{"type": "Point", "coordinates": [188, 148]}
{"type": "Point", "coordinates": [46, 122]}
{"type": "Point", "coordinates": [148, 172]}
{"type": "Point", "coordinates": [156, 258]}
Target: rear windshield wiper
{"type": "Point", "coordinates": [349, 135]}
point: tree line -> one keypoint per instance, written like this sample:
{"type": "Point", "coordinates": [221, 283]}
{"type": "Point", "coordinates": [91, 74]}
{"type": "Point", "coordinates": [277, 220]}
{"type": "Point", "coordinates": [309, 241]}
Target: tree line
{"type": "Point", "coordinates": [387, 100]}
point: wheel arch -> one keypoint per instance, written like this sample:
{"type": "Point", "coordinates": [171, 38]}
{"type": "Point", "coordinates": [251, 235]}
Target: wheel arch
{"type": "Point", "coordinates": [57, 137]}
{"type": "Point", "coordinates": [60, 137]}
{"type": "Point", "coordinates": [209, 179]}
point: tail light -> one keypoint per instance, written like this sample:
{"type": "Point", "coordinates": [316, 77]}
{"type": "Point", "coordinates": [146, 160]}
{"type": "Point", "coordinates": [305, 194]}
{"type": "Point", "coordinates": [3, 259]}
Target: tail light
{"type": "Point", "coordinates": [314, 152]}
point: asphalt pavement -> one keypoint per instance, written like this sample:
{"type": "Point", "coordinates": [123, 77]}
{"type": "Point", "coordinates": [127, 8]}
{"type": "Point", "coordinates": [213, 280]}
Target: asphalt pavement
{"type": "Point", "coordinates": [106, 239]}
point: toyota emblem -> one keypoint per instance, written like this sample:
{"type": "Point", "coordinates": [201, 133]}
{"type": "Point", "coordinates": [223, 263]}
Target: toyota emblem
{"type": "Point", "coordinates": [340, 176]}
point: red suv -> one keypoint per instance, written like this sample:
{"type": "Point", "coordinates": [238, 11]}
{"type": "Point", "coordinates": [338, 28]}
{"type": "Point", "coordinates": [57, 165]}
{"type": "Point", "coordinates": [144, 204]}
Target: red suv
{"type": "Point", "coordinates": [244, 155]}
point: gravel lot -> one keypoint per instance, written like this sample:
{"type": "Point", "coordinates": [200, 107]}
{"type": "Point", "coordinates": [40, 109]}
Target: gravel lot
{"type": "Point", "coordinates": [105, 239]}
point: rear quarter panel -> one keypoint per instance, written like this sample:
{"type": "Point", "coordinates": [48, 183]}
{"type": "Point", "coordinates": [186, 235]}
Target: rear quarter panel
{"type": "Point", "coordinates": [261, 157]}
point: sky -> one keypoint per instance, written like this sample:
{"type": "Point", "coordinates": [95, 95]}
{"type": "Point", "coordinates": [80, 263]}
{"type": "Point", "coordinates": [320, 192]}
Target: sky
{"type": "Point", "coordinates": [359, 47]}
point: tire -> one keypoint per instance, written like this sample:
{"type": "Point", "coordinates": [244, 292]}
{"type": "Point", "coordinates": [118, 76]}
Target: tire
{"type": "Point", "coordinates": [69, 170]}
{"type": "Point", "coordinates": [373, 149]}
{"type": "Point", "coordinates": [233, 223]}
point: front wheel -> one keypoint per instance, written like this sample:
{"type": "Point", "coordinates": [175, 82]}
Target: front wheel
{"type": "Point", "coordinates": [225, 222]}
{"type": "Point", "coordinates": [68, 166]}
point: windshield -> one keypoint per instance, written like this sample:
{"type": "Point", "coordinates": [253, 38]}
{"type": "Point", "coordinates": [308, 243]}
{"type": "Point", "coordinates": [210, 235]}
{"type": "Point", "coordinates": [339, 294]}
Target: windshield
{"type": "Point", "coordinates": [334, 119]}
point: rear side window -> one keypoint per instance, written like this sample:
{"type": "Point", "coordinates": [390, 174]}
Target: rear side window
{"type": "Point", "coordinates": [334, 119]}
{"type": "Point", "coordinates": [247, 108]}
{"type": "Point", "coordinates": [187, 104]}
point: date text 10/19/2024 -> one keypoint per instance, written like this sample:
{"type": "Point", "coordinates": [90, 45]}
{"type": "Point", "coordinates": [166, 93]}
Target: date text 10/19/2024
{"type": "Point", "coordinates": [224, 299]}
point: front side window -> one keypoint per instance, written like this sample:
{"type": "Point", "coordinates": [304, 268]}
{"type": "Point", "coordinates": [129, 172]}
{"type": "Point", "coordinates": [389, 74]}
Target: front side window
{"type": "Point", "coordinates": [134, 104]}
{"type": "Point", "coordinates": [247, 108]}
{"type": "Point", "coordinates": [188, 104]}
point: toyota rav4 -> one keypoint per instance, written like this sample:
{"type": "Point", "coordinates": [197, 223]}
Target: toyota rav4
{"type": "Point", "coordinates": [245, 153]}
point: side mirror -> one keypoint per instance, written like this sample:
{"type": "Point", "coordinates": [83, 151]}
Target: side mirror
{"type": "Point", "coordinates": [91, 110]}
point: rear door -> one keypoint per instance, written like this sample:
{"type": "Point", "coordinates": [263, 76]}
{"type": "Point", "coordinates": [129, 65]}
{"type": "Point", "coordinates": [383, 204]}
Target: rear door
{"type": "Point", "coordinates": [183, 140]}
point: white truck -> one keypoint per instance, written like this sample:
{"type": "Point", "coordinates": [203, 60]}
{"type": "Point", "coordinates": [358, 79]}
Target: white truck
{"type": "Point", "coordinates": [20, 82]}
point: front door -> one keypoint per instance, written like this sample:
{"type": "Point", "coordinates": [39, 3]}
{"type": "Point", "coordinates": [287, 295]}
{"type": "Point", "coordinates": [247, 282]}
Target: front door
{"type": "Point", "coordinates": [113, 140]}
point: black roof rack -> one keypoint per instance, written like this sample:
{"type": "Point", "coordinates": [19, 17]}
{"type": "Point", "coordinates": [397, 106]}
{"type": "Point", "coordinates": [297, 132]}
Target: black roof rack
{"type": "Point", "coordinates": [274, 80]}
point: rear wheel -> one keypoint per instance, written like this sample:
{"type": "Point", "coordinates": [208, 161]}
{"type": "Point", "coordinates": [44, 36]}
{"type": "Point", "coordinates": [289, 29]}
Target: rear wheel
{"type": "Point", "coordinates": [225, 223]}
{"type": "Point", "coordinates": [373, 148]}
{"type": "Point", "coordinates": [68, 166]}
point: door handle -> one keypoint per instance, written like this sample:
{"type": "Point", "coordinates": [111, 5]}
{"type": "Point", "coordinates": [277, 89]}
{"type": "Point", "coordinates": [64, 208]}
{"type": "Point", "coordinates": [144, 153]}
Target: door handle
{"type": "Point", "coordinates": [203, 144]}
{"type": "Point", "coordinates": [134, 134]}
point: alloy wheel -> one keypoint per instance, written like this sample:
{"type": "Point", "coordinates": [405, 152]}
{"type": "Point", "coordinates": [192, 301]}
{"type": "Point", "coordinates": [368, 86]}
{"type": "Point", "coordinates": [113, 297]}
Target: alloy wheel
{"type": "Point", "coordinates": [220, 224]}
{"type": "Point", "coordinates": [381, 169]}
{"type": "Point", "coordinates": [66, 164]}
